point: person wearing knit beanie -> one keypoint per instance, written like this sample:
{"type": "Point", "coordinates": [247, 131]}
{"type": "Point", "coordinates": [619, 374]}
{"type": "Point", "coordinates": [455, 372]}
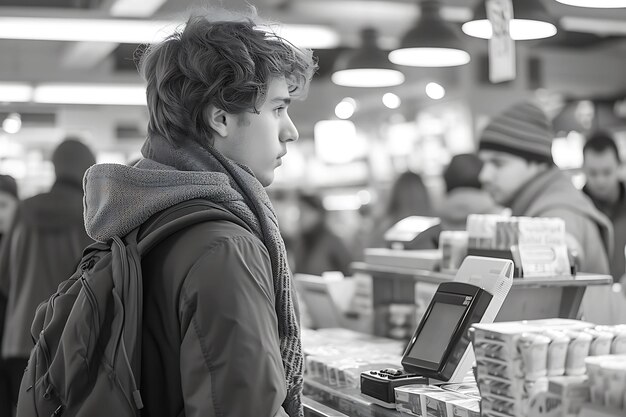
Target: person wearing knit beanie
{"type": "Point", "coordinates": [519, 173]}
{"type": "Point", "coordinates": [515, 147]}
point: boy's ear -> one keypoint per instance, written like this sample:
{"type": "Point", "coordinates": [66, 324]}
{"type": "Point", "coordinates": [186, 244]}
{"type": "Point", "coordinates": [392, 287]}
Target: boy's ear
{"type": "Point", "coordinates": [218, 120]}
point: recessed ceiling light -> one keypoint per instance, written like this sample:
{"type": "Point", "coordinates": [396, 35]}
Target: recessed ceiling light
{"type": "Point", "coordinates": [15, 92]}
{"type": "Point", "coordinates": [98, 94]}
{"type": "Point", "coordinates": [138, 31]}
{"type": "Point", "coordinates": [435, 91]}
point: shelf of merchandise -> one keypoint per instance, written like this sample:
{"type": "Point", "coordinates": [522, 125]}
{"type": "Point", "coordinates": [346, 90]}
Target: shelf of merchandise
{"type": "Point", "coordinates": [529, 299]}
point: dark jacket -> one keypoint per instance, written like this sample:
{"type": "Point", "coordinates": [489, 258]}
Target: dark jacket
{"type": "Point", "coordinates": [589, 232]}
{"type": "Point", "coordinates": [210, 344]}
{"type": "Point", "coordinates": [617, 214]}
{"type": "Point", "coordinates": [40, 251]}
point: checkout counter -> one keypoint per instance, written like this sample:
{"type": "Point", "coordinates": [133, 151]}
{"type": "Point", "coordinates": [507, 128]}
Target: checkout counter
{"type": "Point", "coordinates": [326, 395]}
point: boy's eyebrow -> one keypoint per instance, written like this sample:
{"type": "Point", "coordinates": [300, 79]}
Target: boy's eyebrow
{"type": "Point", "coordinates": [286, 100]}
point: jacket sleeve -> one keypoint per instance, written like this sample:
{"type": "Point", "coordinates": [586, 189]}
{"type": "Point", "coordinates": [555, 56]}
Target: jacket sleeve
{"type": "Point", "coordinates": [584, 239]}
{"type": "Point", "coordinates": [230, 359]}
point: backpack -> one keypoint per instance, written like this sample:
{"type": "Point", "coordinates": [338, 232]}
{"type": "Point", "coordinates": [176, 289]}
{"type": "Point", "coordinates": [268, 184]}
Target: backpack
{"type": "Point", "coordinates": [87, 355]}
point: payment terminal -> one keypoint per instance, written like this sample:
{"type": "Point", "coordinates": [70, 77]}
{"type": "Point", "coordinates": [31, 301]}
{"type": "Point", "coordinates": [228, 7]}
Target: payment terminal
{"type": "Point", "coordinates": [437, 346]}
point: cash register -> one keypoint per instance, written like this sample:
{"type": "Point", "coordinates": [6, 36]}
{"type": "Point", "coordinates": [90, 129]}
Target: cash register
{"type": "Point", "coordinates": [439, 350]}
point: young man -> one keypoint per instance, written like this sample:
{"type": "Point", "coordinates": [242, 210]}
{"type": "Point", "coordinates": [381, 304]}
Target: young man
{"type": "Point", "coordinates": [608, 193]}
{"type": "Point", "coordinates": [518, 171]}
{"type": "Point", "coordinates": [41, 249]}
{"type": "Point", "coordinates": [220, 328]}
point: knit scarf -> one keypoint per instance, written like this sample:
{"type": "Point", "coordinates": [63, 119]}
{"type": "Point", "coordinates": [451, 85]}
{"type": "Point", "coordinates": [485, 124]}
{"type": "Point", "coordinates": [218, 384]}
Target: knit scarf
{"type": "Point", "coordinates": [253, 206]}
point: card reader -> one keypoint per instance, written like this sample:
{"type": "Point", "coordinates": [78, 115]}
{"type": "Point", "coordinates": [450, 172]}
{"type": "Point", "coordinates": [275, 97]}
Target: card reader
{"type": "Point", "coordinates": [438, 345]}
{"type": "Point", "coordinates": [380, 384]}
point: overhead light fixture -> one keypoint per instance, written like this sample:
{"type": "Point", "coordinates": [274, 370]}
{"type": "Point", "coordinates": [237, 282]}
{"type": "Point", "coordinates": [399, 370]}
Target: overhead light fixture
{"type": "Point", "coordinates": [366, 67]}
{"type": "Point", "coordinates": [12, 124]}
{"type": "Point", "coordinates": [346, 108]}
{"type": "Point", "coordinates": [98, 94]}
{"type": "Point", "coordinates": [431, 43]}
{"type": "Point", "coordinates": [530, 20]}
{"type": "Point", "coordinates": [309, 36]}
{"type": "Point", "coordinates": [435, 91]}
{"type": "Point", "coordinates": [596, 4]}
{"type": "Point", "coordinates": [143, 8]}
{"type": "Point", "coordinates": [15, 92]}
{"type": "Point", "coordinates": [391, 101]}
{"type": "Point", "coordinates": [137, 31]}
{"type": "Point", "coordinates": [90, 30]}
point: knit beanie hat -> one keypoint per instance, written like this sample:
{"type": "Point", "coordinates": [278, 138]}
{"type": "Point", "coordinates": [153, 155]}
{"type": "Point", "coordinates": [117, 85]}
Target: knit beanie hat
{"type": "Point", "coordinates": [462, 172]}
{"type": "Point", "coordinates": [522, 130]}
{"type": "Point", "coordinates": [8, 185]}
{"type": "Point", "coordinates": [71, 159]}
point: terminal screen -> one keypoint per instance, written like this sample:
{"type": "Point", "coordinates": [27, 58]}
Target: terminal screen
{"type": "Point", "coordinates": [434, 338]}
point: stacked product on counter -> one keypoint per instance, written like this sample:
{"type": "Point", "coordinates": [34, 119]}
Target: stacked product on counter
{"type": "Point", "coordinates": [518, 362]}
{"type": "Point", "coordinates": [607, 380]}
{"type": "Point", "coordinates": [448, 400]}
{"type": "Point", "coordinates": [537, 244]}
{"type": "Point", "coordinates": [336, 357]}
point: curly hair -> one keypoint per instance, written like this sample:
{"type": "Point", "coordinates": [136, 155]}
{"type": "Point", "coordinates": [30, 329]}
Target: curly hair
{"type": "Point", "coordinates": [225, 63]}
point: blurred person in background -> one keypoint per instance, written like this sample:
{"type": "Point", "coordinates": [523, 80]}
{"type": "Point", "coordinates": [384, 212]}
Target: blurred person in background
{"type": "Point", "coordinates": [318, 248]}
{"type": "Point", "coordinates": [220, 331]}
{"type": "Point", "coordinates": [606, 190]}
{"type": "Point", "coordinates": [41, 250]}
{"type": "Point", "coordinates": [408, 197]}
{"type": "Point", "coordinates": [464, 196]}
{"type": "Point", "coordinates": [519, 172]}
{"type": "Point", "coordinates": [8, 204]}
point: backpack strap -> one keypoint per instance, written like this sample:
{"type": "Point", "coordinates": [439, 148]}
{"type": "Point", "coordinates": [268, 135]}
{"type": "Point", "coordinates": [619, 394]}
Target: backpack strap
{"type": "Point", "coordinates": [195, 211]}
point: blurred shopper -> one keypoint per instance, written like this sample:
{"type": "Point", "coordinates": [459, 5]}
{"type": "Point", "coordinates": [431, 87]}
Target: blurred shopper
{"type": "Point", "coordinates": [8, 204]}
{"type": "Point", "coordinates": [220, 328]}
{"type": "Point", "coordinates": [464, 193]}
{"type": "Point", "coordinates": [409, 197]}
{"type": "Point", "coordinates": [41, 250]}
{"type": "Point", "coordinates": [518, 171]}
{"type": "Point", "coordinates": [608, 193]}
{"type": "Point", "coordinates": [464, 196]}
{"type": "Point", "coordinates": [319, 249]}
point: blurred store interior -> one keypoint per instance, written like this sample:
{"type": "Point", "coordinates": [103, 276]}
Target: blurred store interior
{"type": "Point", "coordinates": [68, 67]}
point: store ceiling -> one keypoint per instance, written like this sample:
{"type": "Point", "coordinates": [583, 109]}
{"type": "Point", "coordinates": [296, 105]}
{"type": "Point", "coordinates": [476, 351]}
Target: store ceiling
{"type": "Point", "coordinates": [38, 61]}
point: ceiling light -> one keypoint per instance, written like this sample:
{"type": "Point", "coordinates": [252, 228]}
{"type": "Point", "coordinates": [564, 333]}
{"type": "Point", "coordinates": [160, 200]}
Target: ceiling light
{"type": "Point", "coordinates": [309, 36]}
{"type": "Point", "coordinates": [530, 20]}
{"type": "Point", "coordinates": [337, 142]}
{"type": "Point", "coordinates": [103, 94]}
{"type": "Point", "coordinates": [596, 4]}
{"type": "Point", "coordinates": [344, 110]}
{"type": "Point", "coordinates": [15, 92]}
{"type": "Point", "coordinates": [143, 8]}
{"type": "Point", "coordinates": [431, 43]}
{"type": "Point", "coordinates": [391, 101]}
{"type": "Point", "coordinates": [435, 91]}
{"type": "Point", "coordinates": [366, 67]}
{"type": "Point", "coordinates": [138, 31]}
{"type": "Point", "coordinates": [12, 124]}
{"type": "Point", "coordinates": [91, 30]}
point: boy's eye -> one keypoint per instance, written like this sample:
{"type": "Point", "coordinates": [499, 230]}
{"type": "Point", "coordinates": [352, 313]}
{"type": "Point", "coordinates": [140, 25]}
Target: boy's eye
{"type": "Point", "coordinates": [279, 110]}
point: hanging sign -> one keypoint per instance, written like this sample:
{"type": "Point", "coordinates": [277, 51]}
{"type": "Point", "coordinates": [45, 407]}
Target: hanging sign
{"type": "Point", "coordinates": [501, 45]}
